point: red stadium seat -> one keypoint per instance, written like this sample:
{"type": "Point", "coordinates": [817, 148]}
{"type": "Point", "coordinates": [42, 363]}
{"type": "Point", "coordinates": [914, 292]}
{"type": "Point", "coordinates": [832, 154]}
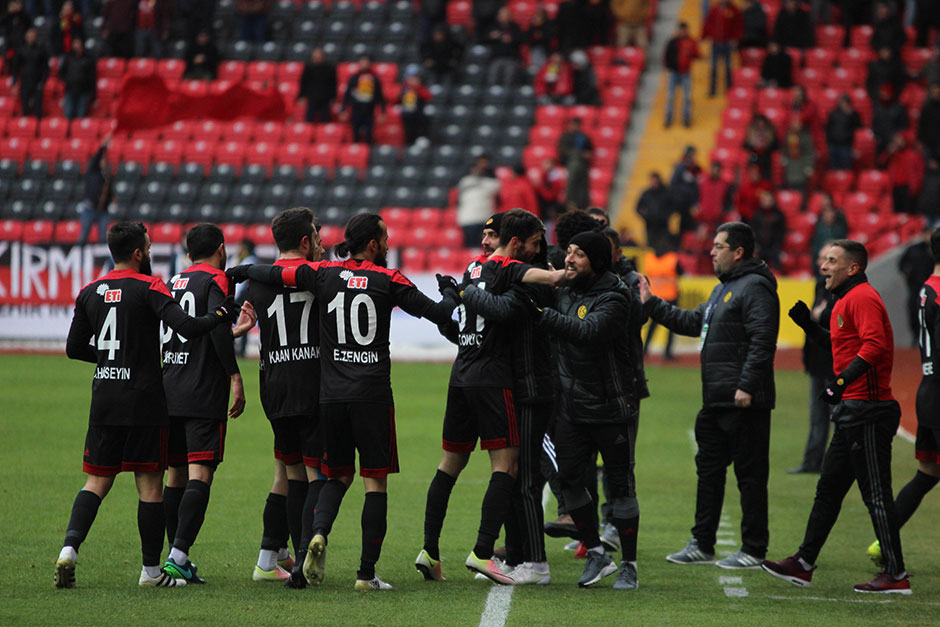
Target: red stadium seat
{"type": "Point", "coordinates": [858, 203]}
{"type": "Point", "coordinates": [14, 148]}
{"type": "Point", "coordinates": [874, 182]}
{"type": "Point", "coordinates": [821, 59]}
{"type": "Point", "coordinates": [111, 67]}
{"type": "Point", "coordinates": [632, 56]}
{"type": "Point", "coordinates": [789, 202]}
{"type": "Point", "coordinates": [261, 153]}
{"type": "Point", "coordinates": [355, 155]}
{"type": "Point", "coordinates": [427, 217]}
{"type": "Point", "coordinates": [299, 132]}
{"type": "Point", "coordinates": [23, 127]}
{"type": "Point", "coordinates": [860, 37]}
{"type": "Point", "coordinates": [208, 130]}
{"type": "Point", "coordinates": [838, 181]}
{"type": "Point", "coordinates": [165, 232]}
{"type": "Point", "coordinates": [141, 66]}
{"type": "Point", "coordinates": [181, 130]}
{"type": "Point", "coordinates": [742, 97]}
{"type": "Point", "coordinates": [330, 235]}
{"type": "Point", "coordinates": [333, 133]}
{"type": "Point", "coordinates": [261, 234]}
{"type": "Point", "coordinates": [773, 98]}
{"type": "Point", "coordinates": [830, 36]}
{"type": "Point", "coordinates": [86, 128]}
{"type": "Point", "coordinates": [544, 135]}
{"type": "Point", "coordinates": [289, 71]}
{"type": "Point", "coordinates": [460, 12]}
{"type": "Point", "coordinates": [67, 231]}
{"type": "Point", "coordinates": [271, 132]}
{"type": "Point", "coordinates": [623, 75]}
{"type": "Point", "coordinates": [240, 131]}
{"type": "Point", "coordinates": [600, 55]}
{"type": "Point", "coordinates": [730, 137]}
{"type": "Point", "coordinates": [169, 151]}
{"type": "Point", "coordinates": [233, 71]}
{"type": "Point", "coordinates": [264, 71]}
{"type": "Point", "coordinates": [745, 77]}
{"type": "Point", "coordinates": [57, 128]}
{"type": "Point", "coordinates": [293, 154]}
{"type": "Point", "coordinates": [38, 232]}
{"type": "Point", "coordinates": [171, 70]}
{"type": "Point", "coordinates": [551, 115]}
{"type": "Point", "coordinates": [232, 153]}
{"type": "Point", "coordinates": [450, 236]}
{"type": "Point", "coordinates": [445, 260]}
{"type": "Point", "coordinates": [612, 116]}
{"type": "Point", "coordinates": [396, 217]}
{"type": "Point", "coordinates": [11, 230]}
{"type": "Point", "coordinates": [735, 118]}
{"type": "Point", "coordinates": [77, 149]}
{"type": "Point", "coordinates": [233, 233]}
{"type": "Point", "coordinates": [413, 259]}
{"type": "Point", "coordinates": [534, 156]}
{"type": "Point", "coordinates": [855, 58]}
{"type": "Point", "coordinates": [202, 152]}
{"type": "Point", "coordinates": [753, 57]}
{"type": "Point", "coordinates": [618, 95]}
{"type": "Point", "coordinates": [587, 114]}
{"type": "Point", "coordinates": [323, 155]}
{"type": "Point", "coordinates": [46, 149]}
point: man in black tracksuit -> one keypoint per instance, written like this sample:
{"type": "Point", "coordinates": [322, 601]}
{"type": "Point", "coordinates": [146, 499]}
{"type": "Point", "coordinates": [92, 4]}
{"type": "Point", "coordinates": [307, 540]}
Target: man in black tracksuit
{"type": "Point", "coordinates": [737, 328]}
{"type": "Point", "coordinates": [596, 408]}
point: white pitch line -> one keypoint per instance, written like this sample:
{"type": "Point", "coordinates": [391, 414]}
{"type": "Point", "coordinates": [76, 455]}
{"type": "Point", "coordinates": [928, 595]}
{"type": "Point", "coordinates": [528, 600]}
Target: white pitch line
{"type": "Point", "coordinates": [497, 606]}
{"type": "Point", "coordinates": [907, 435]}
{"type": "Point", "coordinates": [801, 598]}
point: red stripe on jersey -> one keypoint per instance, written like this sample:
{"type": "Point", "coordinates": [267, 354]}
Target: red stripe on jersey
{"type": "Point", "coordinates": [511, 415]}
{"type": "Point", "coordinates": [293, 263]}
{"type": "Point", "coordinates": [288, 458]}
{"type": "Point", "coordinates": [100, 471]}
{"type": "Point", "coordinates": [201, 456]}
{"type": "Point", "coordinates": [222, 427]}
{"type": "Point", "coordinates": [361, 264]}
{"type": "Point", "coordinates": [932, 457]}
{"type": "Point", "coordinates": [493, 445]}
{"type": "Point", "coordinates": [217, 275]}
{"type": "Point", "coordinates": [156, 283]}
{"type": "Point", "coordinates": [458, 447]}
{"type": "Point", "coordinates": [342, 471]}
{"type": "Point", "coordinates": [503, 261]}
{"type": "Point", "coordinates": [374, 472]}
{"type": "Point", "coordinates": [141, 466]}
{"type": "Point", "coordinates": [934, 282]}
{"type": "Point", "coordinates": [311, 462]}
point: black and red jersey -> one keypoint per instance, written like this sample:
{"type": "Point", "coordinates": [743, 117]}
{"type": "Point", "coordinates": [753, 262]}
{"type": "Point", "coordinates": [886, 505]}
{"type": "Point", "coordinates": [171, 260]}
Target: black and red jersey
{"type": "Point", "coordinates": [928, 394]}
{"type": "Point", "coordinates": [289, 368]}
{"type": "Point", "coordinates": [116, 324]}
{"type": "Point", "coordinates": [196, 371]}
{"type": "Point", "coordinates": [355, 300]}
{"type": "Point", "coordinates": [859, 327]}
{"type": "Point", "coordinates": [483, 348]}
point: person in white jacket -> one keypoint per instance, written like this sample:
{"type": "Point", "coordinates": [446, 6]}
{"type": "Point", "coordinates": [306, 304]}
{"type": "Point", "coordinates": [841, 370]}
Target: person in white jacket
{"type": "Point", "coordinates": [476, 200]}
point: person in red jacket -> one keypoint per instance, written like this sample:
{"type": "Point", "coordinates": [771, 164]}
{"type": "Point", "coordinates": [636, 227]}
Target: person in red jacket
{"type": "Point", "coordinates": [724, 26]}
{"type": "Point", "coordinates": [680, 52]}
{"type": "Point", "coordinates": [414, 96]}
{"type": "Point", "coordinates": [865, 415]}
{"type": "Point", "coordinates": [748, 195]}
{"type": "Point", "coordinates": [519, 193]}
{"type": "Point", "coordinates": [905, 172]}
{"type": "Point", "coordinates": [714, 198]}
{"type": "Point", "coordinates": [553, 83]}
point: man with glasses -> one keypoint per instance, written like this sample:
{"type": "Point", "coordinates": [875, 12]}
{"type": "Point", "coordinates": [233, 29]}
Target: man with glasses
{"type": "Point", "coordinates": [737, 329]}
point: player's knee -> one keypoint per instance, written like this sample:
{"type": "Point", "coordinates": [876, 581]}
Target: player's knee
{"type": "Point", "coordinates": [929, 468]}
{"type": "Point", "coordinates": [296, 472]}
{"type": "Point", "coordinates": [575, 497]}
{"type": "Point", "coordinates": [625, 507]}
{"type": "Point", "coordinates": [99, 485]}
{"type": "Point", "coordinates": [201, 472]}
{"type": "Point", "coordinates": [177, 476]}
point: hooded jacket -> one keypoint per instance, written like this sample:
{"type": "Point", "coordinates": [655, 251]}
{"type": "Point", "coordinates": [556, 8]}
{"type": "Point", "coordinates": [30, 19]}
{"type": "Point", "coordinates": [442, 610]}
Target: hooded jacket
{"type": "Point", "coordinates": [737, 328]}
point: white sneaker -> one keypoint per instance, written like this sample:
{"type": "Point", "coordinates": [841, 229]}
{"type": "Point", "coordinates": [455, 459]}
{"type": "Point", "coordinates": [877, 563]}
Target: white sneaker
{"type": "Point", "coordinates": [502, 565]}
{"type": "Point", "coordinates": [367, 585]}
{"type": "Point", "coordinates": [532, 573]}
{"type": "Point", "coordinates": [164, 580]}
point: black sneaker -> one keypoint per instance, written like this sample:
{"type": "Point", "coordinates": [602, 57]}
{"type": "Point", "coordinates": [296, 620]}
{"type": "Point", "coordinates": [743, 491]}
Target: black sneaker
{"type": "Point", "coordinates": [297, 581]}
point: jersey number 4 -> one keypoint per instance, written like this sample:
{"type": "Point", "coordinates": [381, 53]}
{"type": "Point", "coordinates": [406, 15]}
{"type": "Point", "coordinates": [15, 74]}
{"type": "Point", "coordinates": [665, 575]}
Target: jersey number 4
{"type": "Point", "coordinates": [107, 336]}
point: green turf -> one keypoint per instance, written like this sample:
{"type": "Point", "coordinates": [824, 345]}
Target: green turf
{"type": "Point", "coordinates": [45, 401]}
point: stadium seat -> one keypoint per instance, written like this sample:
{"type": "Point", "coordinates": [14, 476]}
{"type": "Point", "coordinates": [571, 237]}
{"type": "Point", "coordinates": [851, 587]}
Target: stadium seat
{"type": "Point", "coordinates": [11, 230]}
{"type": "Point", "coordinates": [165, 233]}
{"type": "Point", "coordinates": [410, 259]}
{"type": "Point", "coordinates": [38, 232]}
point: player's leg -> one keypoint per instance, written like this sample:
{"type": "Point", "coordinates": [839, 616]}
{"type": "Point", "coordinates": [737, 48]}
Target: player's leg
{"type": "Point", "coordinates": [296, 498]}
{"type": "Point", "coordinates": [751, 453]}
{"type": "Point", "coordinates": [617, 444]}
{"type": "Point", "coordinates": [312, 458]}
{"type": "Point", "coordinates": [711, 464]}
{"type": "Point", "coordinates": [927, 451]}
{"type": "Point", "coordinates": [151, 525]}
{"type": "Point", "coordinates": [274, 533]}
{"type": "Point", "coordinates": [459, 438]}
{"type": "Point", "coordinates": [528, 504]}
{"type": "Point", "coordinates": [177, 476]}
{"type": "Point", "coordinates": [376, 441]}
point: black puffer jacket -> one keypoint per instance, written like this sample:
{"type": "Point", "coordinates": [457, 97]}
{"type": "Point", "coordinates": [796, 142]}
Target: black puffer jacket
{"type": "Point", "coordinates": [741, 338]}
{"type": "Point", "coordinates": [595, 361]}
{"type": "Point", "coordinates": [625, 269]}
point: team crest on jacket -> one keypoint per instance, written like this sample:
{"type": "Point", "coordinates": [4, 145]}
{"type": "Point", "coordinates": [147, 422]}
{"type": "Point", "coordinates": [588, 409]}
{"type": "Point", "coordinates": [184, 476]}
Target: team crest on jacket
{"type": "Point", "coordinates": [582, 311]}
{"type": "Point", "coordinates": [839, 321]}
{"type": "Point", "coordinates": [727, 297]}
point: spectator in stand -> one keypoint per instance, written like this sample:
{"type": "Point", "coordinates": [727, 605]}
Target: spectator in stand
{"type": "Point", "coordinates": [197, 15]}
{"type": "Point", "coordinates": [441, 55]}
{"type": "Point", "coordinates": [889, 116]}
{"type": "Point", "coordinates": [576, 152]}
{"type": "Point", "coordinates": [551, 191]}
{"type": "Point", "coordinates": [503, 39]}
{"type": "Point", "coordinates": [117, 28]}
{"type": "Point", "coordinates": [749, 190]}
{"type": "Point", "coordinates": [803, 109]}
{"type": "Point", "coordinates": [553, 82]}
{"type": "Point", "coordinates": [681, 51]}
{"type": "Point", "coordinates": [840, 134]}
{"type": "Point", "coordinates": [414, 96]}
{"type": "Point", "coordinates": [854, 13]}
{"type": "Point", "coordinates": [584, 80]}
{"type": "Point", "coordinates": [574, 28]}
{"type": "Point", "coordinates": [661, 268]}
{"type": "Point", "coordinates": [887, 69]}
{"type": "Point", "coordinates": [30, 70]}
{"type": "Point", "coordinates": [519, 192]}
{"type": "Point", "coordinates": [888, 29]}
{"type": "Point", "coordinates": [830, 225]}
{"type": "Point", "coordinates": [432, 14]}
{"type": "Point", "coordinates": [202, 59]}
{"type": "Point", "coordinates": [916, 266]}
{"type": "Point", "coordinates": [253, 19]}
{"type": "Point", "coordinates": [484, 18]}
{"type": "Point", "coordinates": [67, 28]}
{"type": "Point", "coordinates": [714, 199]}
{"type": "Point", "coordinates": [760, 141]}
{"type": "Point", "coordinates": [79, 75]}
{"type": "Point", "coordinates": [929, 201]}
{"type": "Point", "coordinates": [725, 27]}
{"type": "Point", "coordinates": [318, 86]}
{"type": "Point", "coordinates": [777, 68]}
{"type": "Point", "coordinates": [794, 27]}
{"type": "Point", "coordinates": [931, 71]}
{"type": "Point", "coordinates": [798, 158]}
{"type": "Point", "coordinates": [40, 8]}
{"type": "Point", "coordinates": [93, 209]}
{"type": "Point", "coordinates": [683, 187]}
{"type": "Point", "coordinates": [476, 200]}
{"type": "Point", "coordinates": [363, 94]}
{"type": "Point", "coordinates": [16, 21]}
{"type": "Point", "coordinates": [153, 28]}
{"type": "Point", "coordinates": [928, 127]}
{"type": "Point", "coordinates": [631, 16]}
{"type": "Point", "coordinates": [654, 206]}
{"type": "Point", "coordinates": [754, 23]}
{"type": "Point", "coordinates": [770, 229]}
{"type": "Point", "coordinates": [905, 173]}
{"type": "Point", "coordinates": [541, 37]}
{"type": "Point", "coordinates": [926, 21]}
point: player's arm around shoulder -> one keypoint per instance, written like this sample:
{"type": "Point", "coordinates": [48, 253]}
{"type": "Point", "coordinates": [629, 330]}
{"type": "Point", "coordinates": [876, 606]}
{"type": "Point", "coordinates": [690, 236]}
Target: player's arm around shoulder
{"type": "Point", "coordinates": [78, 346]}
{"type": "Point", "coordinates": [593, 320]}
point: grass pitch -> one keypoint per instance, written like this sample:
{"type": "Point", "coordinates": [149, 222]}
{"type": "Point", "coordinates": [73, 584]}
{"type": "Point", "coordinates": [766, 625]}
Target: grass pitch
{"type": "Point", "coordinates": [44, 416]}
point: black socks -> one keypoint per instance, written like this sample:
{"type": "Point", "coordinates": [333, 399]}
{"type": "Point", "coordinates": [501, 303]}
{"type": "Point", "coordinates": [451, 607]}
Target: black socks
{"type": "Point", "coordinates": [374, 522]}
{"type": "Point", "coordinates": [171, 510]}
{"type": "Point", "coordinates": [497, 503]}
{"type": "Point", "coordinates": [274, 535]}
{"type": "Point", "coordinates": [628, 528]}
{"type": "Point", "coordinates": [151, 524]}
{"type": "Point", "coordinates": [192, 512]}
{"type": "Point", "coordinates": [434, 511]}
{"type": "Point", "coordinates": [331, 496]}
{"type": "Point", "coordinates": [84, 510]}
{"type": "Point", "coordinates": [910, 496]}
{"type": "Point", "coordinates": [296, 496]}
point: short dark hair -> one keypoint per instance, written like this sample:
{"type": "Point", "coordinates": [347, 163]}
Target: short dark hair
{"type": "Point", "coordinates": [248, 245]}
{"type": "Point", "coordinates": [124, 238]}
{"type": "Point", "coordinates": [518, 223]}
{"type": "Point", "coordinates": [570, 224]}
{"type": "Point", "coordinates": [935, 245]}
{"type": "Point", "coordinates": [600, 213]}
{"type": "Point", "coordinates": [740, 235]}
{"type": "Point", "coordinates": [612, 234]}
{"type": "Point", "coordinates": [855, 251]}
{"type": "Point", "coordinates": [203, 240]}
{"type": "Point", "coordinates": [290, 226]}
{"type": "Point", "coordinates": [360, 230]}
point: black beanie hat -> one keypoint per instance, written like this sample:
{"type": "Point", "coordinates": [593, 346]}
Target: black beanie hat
{"type": "Point", "coordinates": [493, 222]}
{"type": "Point", "coordinates": [596, 247]}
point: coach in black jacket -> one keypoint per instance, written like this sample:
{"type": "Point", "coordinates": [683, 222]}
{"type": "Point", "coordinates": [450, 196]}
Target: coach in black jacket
{"type": "Point", "coordinates": [737, 331]}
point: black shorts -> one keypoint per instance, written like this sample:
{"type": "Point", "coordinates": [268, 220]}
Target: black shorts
{"type": "Point", "coordinates": [110, 449]}
{"type": "Point", "coordinates": [368, 428]}
{"type": "Point", "coordinates": [196, 441]}
{"type": "Point", "coordinates": [479, 412]}
{"type": "Point", "coordinates": [927, 444]}
{"type": "Point", "coordinates": [298, 439]}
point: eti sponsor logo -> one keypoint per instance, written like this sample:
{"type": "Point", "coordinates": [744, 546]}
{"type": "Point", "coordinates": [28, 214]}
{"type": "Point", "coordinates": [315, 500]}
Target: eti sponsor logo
{"type": "Point", "coordinates": [357, 282]}
{"type": "Point", "coordinates": [109, 295]}
{"type": "Point", "coordinates": [476, 272]}
{"type": "Point", "coordinates": [180, 283]}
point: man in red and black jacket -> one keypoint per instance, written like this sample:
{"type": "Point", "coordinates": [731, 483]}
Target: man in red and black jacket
{"type": "Point", "coordinates": [866, 417]}
{"type": "Point", "coordinates": [680, 52]}
{"type": "Point", "coordinates": [724, 25]}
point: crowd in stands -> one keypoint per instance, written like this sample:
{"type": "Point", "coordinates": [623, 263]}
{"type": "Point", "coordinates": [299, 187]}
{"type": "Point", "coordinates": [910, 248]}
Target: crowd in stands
{"type": "Point", "coordinates": [832, 127]}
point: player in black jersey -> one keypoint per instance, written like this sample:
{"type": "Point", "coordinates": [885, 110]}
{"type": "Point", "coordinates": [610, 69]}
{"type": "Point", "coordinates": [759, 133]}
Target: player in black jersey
{"type": "Point", "coordinates": [289, 372]}
{"type": "Point", "coordinates": [116, 326]}
{"type": "Point", "coordinates": [480, 402]}
{"type": "Point", "coordinates": [355, 299]}
{"type": "Point", "coordinates": [927, 442]}
{"type": "Point", "coordinates": [197, 374]}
